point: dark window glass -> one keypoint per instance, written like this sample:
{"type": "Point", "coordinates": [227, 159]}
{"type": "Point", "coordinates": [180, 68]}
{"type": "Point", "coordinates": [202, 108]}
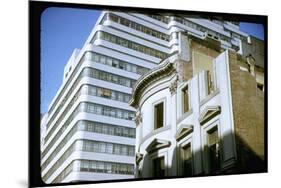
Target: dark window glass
{"type": "Point", "coordinates": [158, 115]}
{"type": "Point", "coordinates": [185, 99]}
{"type": "Point", "coordinates": [159, 167]}
{"type": "Point", "coordinates": [213, 150]}
{"type": "Point", "coordinates": [187, 160]}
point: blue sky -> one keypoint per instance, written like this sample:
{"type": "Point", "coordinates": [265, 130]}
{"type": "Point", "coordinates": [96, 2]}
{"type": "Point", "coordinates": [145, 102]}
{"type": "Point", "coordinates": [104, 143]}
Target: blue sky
{"type": "Point", "coordinates": [63, 30]}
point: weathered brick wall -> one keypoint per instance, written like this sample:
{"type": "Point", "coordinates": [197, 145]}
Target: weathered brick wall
{"type": "Point", "coordinates": [248, 111]}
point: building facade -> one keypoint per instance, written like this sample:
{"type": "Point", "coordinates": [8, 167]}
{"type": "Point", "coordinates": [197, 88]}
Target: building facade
{"type": "Point", "coordinates": [89, 130]}
{"type": "Point", "coordinates": [200, 115]}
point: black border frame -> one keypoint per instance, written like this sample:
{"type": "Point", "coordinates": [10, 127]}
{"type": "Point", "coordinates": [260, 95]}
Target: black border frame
{"type": "Point", "coordinates": [35, 10]}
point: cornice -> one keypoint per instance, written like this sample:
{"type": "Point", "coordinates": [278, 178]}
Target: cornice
{"type": "Point", "coordinates": [164, 69]}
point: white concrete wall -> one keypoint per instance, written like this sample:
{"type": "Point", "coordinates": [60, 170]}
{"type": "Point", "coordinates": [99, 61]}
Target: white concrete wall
{"type": "Point", "coordinates": [176, 120]}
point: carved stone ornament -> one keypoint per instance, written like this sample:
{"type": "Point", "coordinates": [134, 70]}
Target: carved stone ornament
{"type": "Point", "coordinates": [173, 87]}
{"type": "Point", "coordinates": [138, 118]}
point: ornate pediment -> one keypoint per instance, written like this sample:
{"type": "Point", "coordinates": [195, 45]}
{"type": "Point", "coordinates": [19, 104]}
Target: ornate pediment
{"type": "Point", "coordinates": [209, 113]}
{"type": "Point", "coordinates": [139, 157]}
{"type": "Point", "coordinates": [184, 131]}
{"type": "Point", "coordinates": [157, 144]}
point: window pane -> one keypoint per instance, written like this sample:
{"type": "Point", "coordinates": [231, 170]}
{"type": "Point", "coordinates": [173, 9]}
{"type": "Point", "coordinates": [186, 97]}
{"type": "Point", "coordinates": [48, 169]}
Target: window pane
{"type": "Point", "coordinates": [213, 150]}
{"type": "Point", "coordinates": [187, 160]}
{"type": "Point", "coordinates": [159, 167]}
{"type": "Point", "coordinates": [158, 115]}
{"type": "Point", "coordinates": [185, 98]}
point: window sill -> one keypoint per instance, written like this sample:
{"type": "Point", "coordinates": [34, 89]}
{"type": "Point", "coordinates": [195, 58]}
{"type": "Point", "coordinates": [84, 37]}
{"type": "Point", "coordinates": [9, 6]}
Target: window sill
{"type": "Point", "coordinates": [154, 132]}
{"type": "Point", "coordinates": [185, 115]}
{"type": "Point", "coordinates": [209, 97]}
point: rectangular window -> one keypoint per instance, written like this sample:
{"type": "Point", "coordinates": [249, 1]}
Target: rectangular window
{"type": "Point", "coordinates": [119, 114]}
{"type": "Point", "coordinates": [106, 93]}
{"type": "Point", "coordinates": [91, 109]}
{"type": "Point", "coordinates": [108, 167]}
{"type": "Point", "coordinates": [185, 99]}
{"type": "Point", "coordinates": [98, 128]}
{"type": "Point", "coordinates": [93, 166]}
{"type": "Point", "coordinates": [124, 150]}
{"type": "Point", "coordinates": [126, 98]}
{"type": "Point", "coordinates": [111, 130]}
{"type": "Point", "coordinates": [213, 150]}
{"type": "Point", "coordinates": [98, 109]}
{"type": "Point", "coordinates": [125, 131]}
{"type": "Point", "coordinates": [115, 64]}
{"type": "Point", "coordinates": [158, 167]}
{"type": "Point", "coordinates": [102, 59]}
{"type": "Point", "coordinates": [96, 58]}
{"type": "Point", "coordinates": [106, 111]}
{"type": "Point", "coordinates": [131, 151]}
{"type": "Point", "coordinates": [102, 147]}
{"type": "Point", "coordinates": [109, 61]}
{"type": "Point", "coordinates": [210, 82]}
{"type": "Point", "coordinates": [100, 166]}
{"type": "Point", "coordinates": [95, 147]}
{"type": "Point", "coordinates": [117, 149]}
{"type": "Point", "coordinates": [113, 95]}
{"type": "Point", "coordinates": [187, 160]}
{"type": "Point", "coordinates": [158, 115]}
{"type": "Point", "coordinates": [119, 131]}
{"type": "Point", "coordinates": [93, 91]}
{"type": "Point", "coordinates": [109, 148]}
{"type": "Point", "coordinates": [104, 129]}
{"type": "Point", "coordinates": [132, 133]}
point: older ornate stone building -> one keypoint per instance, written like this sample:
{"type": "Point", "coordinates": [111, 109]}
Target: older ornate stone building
{"type": "Point", "coordinates": [200, 112]}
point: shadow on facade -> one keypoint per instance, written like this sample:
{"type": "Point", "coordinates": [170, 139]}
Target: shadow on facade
{"type": "Point", "coordinates": [248, 159]}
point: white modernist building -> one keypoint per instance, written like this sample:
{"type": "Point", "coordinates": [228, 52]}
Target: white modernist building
{"type": "Point", "coordinates": [89, 128]}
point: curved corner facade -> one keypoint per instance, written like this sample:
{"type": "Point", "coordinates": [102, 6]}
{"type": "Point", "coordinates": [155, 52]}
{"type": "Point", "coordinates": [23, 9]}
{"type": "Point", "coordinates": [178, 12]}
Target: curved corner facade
{"type": "Point", "coordinates": [191, 119]}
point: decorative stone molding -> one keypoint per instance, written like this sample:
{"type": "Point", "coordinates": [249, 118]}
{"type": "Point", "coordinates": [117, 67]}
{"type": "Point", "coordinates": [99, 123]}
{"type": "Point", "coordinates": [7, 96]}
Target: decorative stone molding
{"type": "Point", "coordinates": [209, 113]}
{"type": "Point", "coordinates": [157, 144]}
{"type": "Point", "coordinates": [184, 131]}
{"type": "Point", "coordinates": [138, 118]}
{"type": "Point", "coordinates": [173, 87]}
{"type": "Point", "coordinates": [164, 69]}
{"type": "Point", "coordinates": [251, 63]}
{"type": "Point", "coordinates": [139, 157]}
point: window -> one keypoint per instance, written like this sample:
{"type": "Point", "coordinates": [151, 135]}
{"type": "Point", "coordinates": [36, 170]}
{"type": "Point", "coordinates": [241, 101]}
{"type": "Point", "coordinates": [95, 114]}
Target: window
{"type": "Point", "coordinates": [104, 129]}
{"type": "Point", "coordinates": [186, 154]}
{"type": "Point", "coordinates": [213, 150]}
{"type": "Point", "coordinates": [131, 151]}
{"type": "Point", "coordinates": [158, 167]}
{"type": "Point", "coordinates": [91, 108]}
{"type": "Point", "coordinates": [210, 83]}
{"type": "Point", "coordinates": [106, 111]}
{"type": "Point", "coordinates": [124, 150]}
{"type": "Point", "coordinates": [106, 93]}
{"type": "Point", "coordinates": [102, 59]}
{"type": "Point", "coordinates": [98, 128]}
{"type": "Point", "coordinates": [97, 58]}
{"type": "Point", "coordinates": [158, 115]}
{"type": "Point", "coordinates": [119, 131]}
{"type": "Point", "coordinates": [85, 166]}
{"type": "Point", "coordinates": [111, 130]}
{"type": "Point", "coordinates": [102, 147]}
{"type": "Point", "coordinates": [117, 149]}
{"type": "Point", "coordinates": [109, 148]}
{"type": "Point", "coordinates": [185, 99]}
